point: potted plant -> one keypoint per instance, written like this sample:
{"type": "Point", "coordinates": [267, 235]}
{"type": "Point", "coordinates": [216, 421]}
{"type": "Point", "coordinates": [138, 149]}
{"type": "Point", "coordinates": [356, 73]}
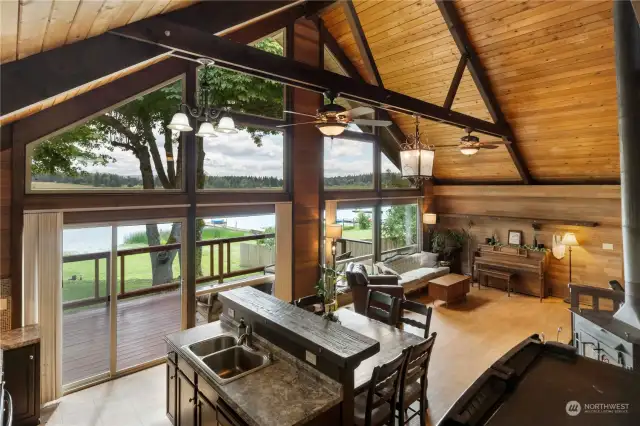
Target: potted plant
{"type": "Point", "coordinates": [326, 290]}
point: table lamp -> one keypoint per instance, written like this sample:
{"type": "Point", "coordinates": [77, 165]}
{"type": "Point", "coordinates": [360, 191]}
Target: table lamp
{"type": "Point", "coordinates": [334, 232]}
{"type": "Point", "coordinates": [569, 240]}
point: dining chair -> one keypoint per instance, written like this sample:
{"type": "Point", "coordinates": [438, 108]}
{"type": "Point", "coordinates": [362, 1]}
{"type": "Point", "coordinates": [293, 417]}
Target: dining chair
{"type": "Point", "coordinates": [414, 381]}
{"type": "Point", "coordinates": [310, 303]}
{"type": "Point", "coordinates": [376, 405]}
{"type": "Point", "coordinates": [382, 307]}
{"type": "Point", "coordinates": [418, 308]}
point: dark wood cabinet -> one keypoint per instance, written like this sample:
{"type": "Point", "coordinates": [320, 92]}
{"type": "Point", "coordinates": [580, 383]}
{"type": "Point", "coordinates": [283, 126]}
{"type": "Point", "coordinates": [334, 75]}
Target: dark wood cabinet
{"type": "Point", "coordinates": [206, 412]}
{"type": "Point", "coordinates": [172, 384]}
{"type": "Point", "coordinates": [22, 379]}
{"type": "Point", "coordinates": [191, 401]}
{"type": "Point", "coordinates": [186, 411]}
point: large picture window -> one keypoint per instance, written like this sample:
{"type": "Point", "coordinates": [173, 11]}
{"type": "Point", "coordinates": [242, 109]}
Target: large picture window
{"type": "Point", "coordinates": [128, 148]}
{"type": "Point", "coordinates": [399, 230]}
{"type": "Point", "coordinates": [348, 164]}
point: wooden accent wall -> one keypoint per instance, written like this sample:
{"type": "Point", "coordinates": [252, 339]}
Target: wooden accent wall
{"type": "Point", "coordinates": [591, 264]}
{"type": "Point", "coordinates": [5, 213]}
{"type": "Point", "coordinates": [306, 169]}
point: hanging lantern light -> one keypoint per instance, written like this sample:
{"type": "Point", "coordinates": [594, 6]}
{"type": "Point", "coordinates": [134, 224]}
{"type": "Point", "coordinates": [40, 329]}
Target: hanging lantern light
{"type": "Point", "coordinates": [416, 158]}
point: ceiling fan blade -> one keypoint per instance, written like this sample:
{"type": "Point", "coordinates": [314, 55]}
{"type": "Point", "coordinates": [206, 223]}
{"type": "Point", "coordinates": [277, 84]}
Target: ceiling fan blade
{"type": "Point", "coordinates": [483, 146]}
{"type": "Point", "coordinates": [497, 143]}
{"type": "Point", "coordinates": [364, 122]}
{"type": "Point", "coordinates": [357, 112]}
{"type": "Point", "coordinates": [297, 124]}
{"type": "Point", "coordinates": [299, 113]}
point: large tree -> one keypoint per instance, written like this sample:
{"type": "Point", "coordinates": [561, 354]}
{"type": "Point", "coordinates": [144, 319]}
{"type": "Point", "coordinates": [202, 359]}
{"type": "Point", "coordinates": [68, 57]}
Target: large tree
{"type": "Point", "coordinates": [140, 125]}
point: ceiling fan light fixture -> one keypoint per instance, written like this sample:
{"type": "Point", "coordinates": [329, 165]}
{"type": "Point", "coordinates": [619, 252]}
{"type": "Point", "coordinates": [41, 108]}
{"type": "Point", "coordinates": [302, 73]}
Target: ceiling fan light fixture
{"type": "Point", "coordinates": [331, 129]}
{"type": "Point", "coordinates": [469, 151]}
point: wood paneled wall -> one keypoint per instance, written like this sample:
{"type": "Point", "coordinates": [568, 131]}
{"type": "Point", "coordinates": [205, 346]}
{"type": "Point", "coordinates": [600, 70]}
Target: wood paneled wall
{"type": "Point", "coordinates": [591, 264]}
{"type": "Point", "coordinates": [306, 169]}
{"type": "Point", "coordinates": [5, 213]}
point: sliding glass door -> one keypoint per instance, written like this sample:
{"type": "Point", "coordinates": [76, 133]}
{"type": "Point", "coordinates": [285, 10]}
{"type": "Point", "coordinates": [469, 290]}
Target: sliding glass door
{"type": "Point", "coordinates": [122, 293]}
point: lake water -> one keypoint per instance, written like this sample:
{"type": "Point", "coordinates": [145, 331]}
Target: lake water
{"type": "Point", "coordinates": [98, 239]}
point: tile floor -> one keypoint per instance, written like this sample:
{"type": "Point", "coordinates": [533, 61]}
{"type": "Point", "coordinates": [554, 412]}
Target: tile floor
{"type": "Point", "coordinates": [134, 400]}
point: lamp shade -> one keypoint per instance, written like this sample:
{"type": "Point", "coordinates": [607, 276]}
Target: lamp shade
{"type": "Point", "coordinates": [226, 125]}
{"type": "Point", "coordinates": [206, 130]}
{"type": "Point", "coordinates": [417, 163]}
{"type": "Point", "coordinates": [469, 151]}
{"type": "Point", "coordinates": [333, 231]}
{"type": "Point", "coordinates": [180, 122]}
{"type": "Point", "coordinates": [429, 218]}
{"type": "Point", "coordinates": [569, 239]}
{"type": "Point", "coordinates": [331, 129]}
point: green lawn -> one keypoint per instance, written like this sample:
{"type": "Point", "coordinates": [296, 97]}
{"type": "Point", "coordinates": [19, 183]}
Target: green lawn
{"type": "Point", "coordinates": [138, 267]}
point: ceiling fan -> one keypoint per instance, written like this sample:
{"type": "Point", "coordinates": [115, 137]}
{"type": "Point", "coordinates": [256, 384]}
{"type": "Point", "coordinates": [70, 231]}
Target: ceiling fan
{"type": "Point", "coordinates": [470, 145]}
{"type": "Point", "coordinates": [332, 119]}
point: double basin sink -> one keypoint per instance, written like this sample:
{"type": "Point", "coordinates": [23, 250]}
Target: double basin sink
{"type": "Point", "coordinates": [225, 359]}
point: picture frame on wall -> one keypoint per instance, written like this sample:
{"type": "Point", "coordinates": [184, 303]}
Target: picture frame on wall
{"type": "Point", "coordinates": [515, 238]}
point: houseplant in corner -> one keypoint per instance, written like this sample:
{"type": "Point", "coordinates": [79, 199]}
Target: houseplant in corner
{"type": "Point", "coordinates": [326, 289]}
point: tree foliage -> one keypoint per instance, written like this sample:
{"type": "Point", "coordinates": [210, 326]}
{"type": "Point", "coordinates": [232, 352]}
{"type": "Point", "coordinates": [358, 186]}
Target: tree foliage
{"type": "Point", "coordinates": [363, 221]}
{"type": "Point", "coordinates": [400, 224]}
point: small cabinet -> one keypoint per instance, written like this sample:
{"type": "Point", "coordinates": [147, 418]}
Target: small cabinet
{"type": "Point", "coordinates": [21, 368]}
{"type": "Point", "coordinates": [206, 412]}
{"type": "Point", "coordinates": [172, 385]}
{"type": "Point", "coordinates": [186, 397]}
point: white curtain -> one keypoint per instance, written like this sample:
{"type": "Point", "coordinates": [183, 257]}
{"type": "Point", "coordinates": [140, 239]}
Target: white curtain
{"type": "Point", "coordinates": [42, 278]}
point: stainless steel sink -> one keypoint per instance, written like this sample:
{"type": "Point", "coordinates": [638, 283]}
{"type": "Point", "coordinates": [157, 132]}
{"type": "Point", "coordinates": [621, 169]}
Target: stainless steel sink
{"type": "Point", "coordinates": [236, 362]}
{"type": "Point", "coordinates": [224, 359]}
{"type": "Point", "coordinates": [213, 345]}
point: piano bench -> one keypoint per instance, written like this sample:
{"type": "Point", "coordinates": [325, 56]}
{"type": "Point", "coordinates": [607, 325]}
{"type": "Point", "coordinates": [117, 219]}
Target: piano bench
{"type": "Point", "coordinates": [502, 275]}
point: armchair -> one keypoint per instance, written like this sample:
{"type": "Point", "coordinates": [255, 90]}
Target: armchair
{"type": "Point", "coordinates": [360, 283]}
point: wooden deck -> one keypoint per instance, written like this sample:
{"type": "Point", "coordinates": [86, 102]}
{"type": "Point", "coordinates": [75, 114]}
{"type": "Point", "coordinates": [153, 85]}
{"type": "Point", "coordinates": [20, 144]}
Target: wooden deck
{"type": "Point", "coordinates": [142, 324]}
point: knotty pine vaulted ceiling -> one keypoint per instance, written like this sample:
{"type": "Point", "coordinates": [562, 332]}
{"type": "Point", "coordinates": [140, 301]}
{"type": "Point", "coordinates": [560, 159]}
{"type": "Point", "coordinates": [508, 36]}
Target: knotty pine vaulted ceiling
{"type": "Point", "coordinates": [550, 65]}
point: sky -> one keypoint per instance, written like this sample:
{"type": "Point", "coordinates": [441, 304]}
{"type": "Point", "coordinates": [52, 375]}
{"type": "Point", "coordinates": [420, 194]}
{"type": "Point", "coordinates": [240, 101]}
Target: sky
{"type": "Point", "coordinates": [238, 155]}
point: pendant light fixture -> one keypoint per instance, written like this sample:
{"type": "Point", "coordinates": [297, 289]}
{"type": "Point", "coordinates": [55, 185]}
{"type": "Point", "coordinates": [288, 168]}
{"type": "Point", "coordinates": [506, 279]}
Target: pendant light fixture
{"type": "Point", "coordinates": [416, 158]}
{"type": "Point", "coordinates": [204, 111]}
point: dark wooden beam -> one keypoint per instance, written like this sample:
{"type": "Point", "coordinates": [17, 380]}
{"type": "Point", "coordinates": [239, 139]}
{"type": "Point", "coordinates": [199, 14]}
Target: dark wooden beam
{"type": "Point", "coordinates": [361, 41]}
{"type": "Point", "coordinates": [158, 30]}
{"type": "Point", "coordinates": [190, 151]}
{"type": "Point", "coordinates": [38, 77]}
{"type": "Point", "coordinates": [459, 33]}
{"type": "Point", "coordinates": [455, 83]}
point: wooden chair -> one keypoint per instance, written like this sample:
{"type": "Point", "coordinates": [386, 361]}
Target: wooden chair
{"type": "Point", "coordinates": [310, 303]}
{"type": "Point", "coordinates": [376, 406]}
{"type": "Point", "coordinates": [413, 382]}
{"type": "Point", "coordinates": [382, 307]}
{"type": "Point", "coordinates": [418, 308]}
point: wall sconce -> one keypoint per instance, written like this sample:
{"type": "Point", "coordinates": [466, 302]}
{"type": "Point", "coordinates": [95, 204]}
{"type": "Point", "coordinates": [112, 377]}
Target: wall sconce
{"type": "Point", "coordinates": [333, 231]}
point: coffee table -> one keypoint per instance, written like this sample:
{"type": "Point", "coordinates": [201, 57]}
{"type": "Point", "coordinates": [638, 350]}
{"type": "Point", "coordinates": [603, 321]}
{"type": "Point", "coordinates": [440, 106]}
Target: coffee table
{"type": "Point", "coordinates": [450, 288]}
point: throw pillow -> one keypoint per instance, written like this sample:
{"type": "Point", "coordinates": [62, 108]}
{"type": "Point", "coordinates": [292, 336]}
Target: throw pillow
{"type": "Point", "coordinates": [385, 270]}
{"type": "Point", "coordinates": [428, 260]}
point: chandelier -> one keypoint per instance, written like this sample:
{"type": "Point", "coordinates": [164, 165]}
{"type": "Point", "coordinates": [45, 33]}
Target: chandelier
{"type": "Point", "coordinates": [204, 111]}
{"type": "Point", "coordinates": [416, 159]}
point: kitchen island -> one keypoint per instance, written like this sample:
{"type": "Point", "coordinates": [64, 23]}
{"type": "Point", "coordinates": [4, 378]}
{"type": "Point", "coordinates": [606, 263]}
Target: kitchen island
{"type": "Point", "coordinates": [305, 369]}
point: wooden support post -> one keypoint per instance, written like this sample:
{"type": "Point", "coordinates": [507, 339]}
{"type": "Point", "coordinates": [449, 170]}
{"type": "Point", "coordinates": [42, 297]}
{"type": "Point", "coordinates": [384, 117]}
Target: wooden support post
{"type": "Point", "coordinates": [190, 147]}
{"type": "Point", "coordinates": [96, 278]}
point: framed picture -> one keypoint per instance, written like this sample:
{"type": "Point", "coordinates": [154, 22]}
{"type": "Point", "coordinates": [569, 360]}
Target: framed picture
{"type": "Point", "coordinates": [515, 238]}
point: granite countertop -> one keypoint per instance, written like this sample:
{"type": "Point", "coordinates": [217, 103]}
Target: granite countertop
{"type": "Point", "coordinates": [19, 337]}
{"type": "Point", "coordinates": [285, 393]}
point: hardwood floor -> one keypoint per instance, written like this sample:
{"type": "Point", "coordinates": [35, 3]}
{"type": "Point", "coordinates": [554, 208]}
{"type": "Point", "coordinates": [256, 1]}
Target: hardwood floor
{"type": "Point", "coordinates": [141, 323]}
{"type": "Point", "coordinates": [471, 336]}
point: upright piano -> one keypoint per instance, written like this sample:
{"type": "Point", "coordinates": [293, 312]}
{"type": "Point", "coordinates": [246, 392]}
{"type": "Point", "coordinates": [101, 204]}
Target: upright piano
{"type": "Point", "coordinates": [527, 266]}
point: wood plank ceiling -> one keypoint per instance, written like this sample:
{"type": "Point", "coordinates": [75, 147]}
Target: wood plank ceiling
{"type": "Point", "coordinates": [550, 63]}
{"type": "Point", "coordinates": [30, 27]}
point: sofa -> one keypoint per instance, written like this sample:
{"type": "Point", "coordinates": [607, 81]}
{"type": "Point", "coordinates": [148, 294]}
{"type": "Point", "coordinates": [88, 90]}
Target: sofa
{"type": "Point", "coordinates": [359, 282]}
{"type": "Point", "coordinates": [409, 270]}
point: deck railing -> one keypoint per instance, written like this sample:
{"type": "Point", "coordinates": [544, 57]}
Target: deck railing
{"type": "Point", "coordinates": [222, 260]}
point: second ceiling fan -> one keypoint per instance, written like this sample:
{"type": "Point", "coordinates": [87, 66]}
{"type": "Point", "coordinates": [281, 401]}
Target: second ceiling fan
{"type": "Point", "coordinates": [470, 145]}
{"type": "Point", "coordinates": [332, 119]}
